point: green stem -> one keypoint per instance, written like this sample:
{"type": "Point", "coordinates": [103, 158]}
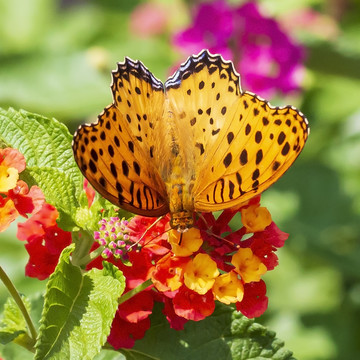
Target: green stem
{"type": "Point", "coordinates": [135, 291]}
{"type": "Point", "coordinates": [83, 242]}
{"type": "Point", "coordinates": [89, 257]}
{"type": "Point", "coordinates": [16, 296]}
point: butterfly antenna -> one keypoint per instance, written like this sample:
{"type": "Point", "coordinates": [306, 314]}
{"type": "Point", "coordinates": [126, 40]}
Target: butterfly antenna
{"type": "Point", "coordinates": [146, 231]}
{"type": "Point", "coordinates": [203, 219]}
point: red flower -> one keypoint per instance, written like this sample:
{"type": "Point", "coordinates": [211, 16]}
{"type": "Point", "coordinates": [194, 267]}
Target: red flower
{"type": "Point", "coordinates": [274, 236]}
{"type": "Point", "coordinates": [265, 243]}
{"type": "Point", "coordinates": [123, 333]}
{"type": "Point", "coordinates": [192, 306]}
{"type": "Point", "coordinates": [26, 202]}
{"type": "Point", "coordinates": [155, 240]}
{"type": "Point", "coordinates": [36, 225]}
{"type": "Point", "coordinates": [211, 231]}
{"type": "Point", "coordinates": [254, 302]}
{"type": "Point", "coordinates": [138, 308]}
{"type": "Point", "coordinates": [176, 322]}
{"type": "Point", "coordinates": [44, 252]}
{"type": "Point", "coordinates": [264, 251]}
{"type": "Point", "coordinates": [45, 241]}
{"type": "Point", "coordinates": [139, 271]}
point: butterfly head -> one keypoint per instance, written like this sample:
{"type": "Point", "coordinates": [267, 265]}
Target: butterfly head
{"type": "Point", "coordinates": [182, 221]}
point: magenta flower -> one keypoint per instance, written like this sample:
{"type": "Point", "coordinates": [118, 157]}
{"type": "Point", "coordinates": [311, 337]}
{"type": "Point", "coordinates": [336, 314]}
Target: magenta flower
{"type": "Point", "coordinates": [267, 59]}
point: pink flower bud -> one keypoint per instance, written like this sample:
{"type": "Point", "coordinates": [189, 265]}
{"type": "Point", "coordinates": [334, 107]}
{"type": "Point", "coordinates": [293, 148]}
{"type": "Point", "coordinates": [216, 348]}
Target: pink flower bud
{"type": "Point", "coordinates": [107, 253]}
{"type": "Point", "coordinates": [112, 245]}
{"type": "Point", "coordinates": [102, 242]}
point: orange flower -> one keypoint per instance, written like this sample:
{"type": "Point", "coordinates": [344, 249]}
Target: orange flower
{"type": "Point", "coordinates": [17, 199]}
{"type": "Point", "coordinates": [8, 178]}
{"type": "Point", "coordinates": [185, 244]}
{"type": "Point", "coordinates": [12, 162]}
{"type": "Point", "coordinates": [255, 218]}
{"type": "Point", "coordinates": [228, 288]}
{"type": "Point", "coordinates": [12, 158]}
{"type": "Point", "coordinates": [200, 273]}
{"type": "Point", "coordinates": [168, 273]}
{"type": "Point", "coordinates": [8, 214]}
{"type": "Point", "coordinates": [248, 265]}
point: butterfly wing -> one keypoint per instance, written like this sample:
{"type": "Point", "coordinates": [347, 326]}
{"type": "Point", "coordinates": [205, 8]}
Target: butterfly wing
{"type": "Point", "coordinates": [240, 144]}
{"type": "Point", "coordinates": [258, 152]}
{"type": "Point", "coordinates": [115, 153]}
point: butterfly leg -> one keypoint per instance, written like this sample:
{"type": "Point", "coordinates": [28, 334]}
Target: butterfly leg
{"type": "Point", "coordinates": [209, 231]}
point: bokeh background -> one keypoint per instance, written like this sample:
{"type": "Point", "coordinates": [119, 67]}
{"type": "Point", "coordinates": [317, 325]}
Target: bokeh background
{"type": "Point", "coordinates": [55, 60]}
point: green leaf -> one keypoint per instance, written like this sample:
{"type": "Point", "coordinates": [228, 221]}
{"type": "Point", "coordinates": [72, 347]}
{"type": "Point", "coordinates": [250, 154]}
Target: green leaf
{"type": "Point", "coordinates": [110, 355]}
{"type": "Point", "coordinates": [46, 145]}
{"type": "Point", "coordinates": [225, 335]}
{"type": "Point", "coordinates": [78, 311]}
{"type": "Point", "coordinates": [44, 142]}
{"type": "Point", "coordinates": [13, 323]}
{"type": "Point", "coordinates": [110, 269]}
{"type": "Point", "coordinates": [59, 190]}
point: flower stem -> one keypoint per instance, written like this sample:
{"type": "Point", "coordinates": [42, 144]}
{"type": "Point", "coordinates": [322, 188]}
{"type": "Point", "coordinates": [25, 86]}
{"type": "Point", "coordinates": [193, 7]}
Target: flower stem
{"type": "Point", "coordinates": [135, 291]}
{"type": "Point", "coordinates": [83, 242]}
{"type": "Point", "coordinates": [17, 298]}
{"type": "Point", "coordinates": [89, 257]}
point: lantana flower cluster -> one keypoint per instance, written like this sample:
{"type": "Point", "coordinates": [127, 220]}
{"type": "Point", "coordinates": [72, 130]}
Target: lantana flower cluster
{"type": "Point", "coordinates": [268, 60]}
{"type": "Point", "coordinates": [193, 270]}
{"type": "Point", "coordinates": [113, 234]}
{"type": "Point", "coordinates": [44, 239]}
{"type": "Point", "coordinates": [15, 197]}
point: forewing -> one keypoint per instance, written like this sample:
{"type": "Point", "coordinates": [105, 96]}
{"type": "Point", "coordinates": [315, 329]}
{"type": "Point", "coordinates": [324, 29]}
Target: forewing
{"type": "Point", "coordinates": [115, 153]}
{"type": "Point", "coordinates": [237, 144]}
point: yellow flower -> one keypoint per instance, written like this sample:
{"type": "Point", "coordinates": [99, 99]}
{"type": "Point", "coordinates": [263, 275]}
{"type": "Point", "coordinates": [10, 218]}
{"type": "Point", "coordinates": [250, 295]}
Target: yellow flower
{"type": "Point", "coordinates": [8, 178]}
{"type": "Point", "coordinates": [8, 214]}
{"type": "Point", "coordinates": [200, 273]}
{"type": "Point", "coordinates": [248, 265]}
{"type": "Point", "coordinates": [175, 283]}
{"type": "Point", "coordinates": [255, 218]}
{"type": "Point", "coordinates": [190, 242]}
{"type": "Point", "coordinates": [228, 288]}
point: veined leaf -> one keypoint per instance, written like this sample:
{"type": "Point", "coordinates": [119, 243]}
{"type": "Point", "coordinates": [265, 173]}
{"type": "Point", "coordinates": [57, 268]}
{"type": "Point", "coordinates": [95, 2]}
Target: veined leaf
{"type": "Point", "coordinates": [78, 310]}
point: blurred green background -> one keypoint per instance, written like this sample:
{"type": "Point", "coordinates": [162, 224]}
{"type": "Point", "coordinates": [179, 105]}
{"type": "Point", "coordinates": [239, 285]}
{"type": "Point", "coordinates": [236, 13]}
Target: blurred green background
{"type": "Point", "coordinates": [55, 60]}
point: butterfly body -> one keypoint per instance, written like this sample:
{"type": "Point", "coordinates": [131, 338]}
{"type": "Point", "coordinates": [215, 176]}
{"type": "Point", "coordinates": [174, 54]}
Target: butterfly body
{"type": "Point", "coordinates": [178, 189]}
{"type": "Point", "coordinates": [194, 144]}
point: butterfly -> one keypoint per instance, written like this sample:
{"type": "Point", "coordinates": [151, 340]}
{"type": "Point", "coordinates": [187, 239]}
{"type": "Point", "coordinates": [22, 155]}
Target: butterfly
{"type": "Point", "coordinates": [196, 143]}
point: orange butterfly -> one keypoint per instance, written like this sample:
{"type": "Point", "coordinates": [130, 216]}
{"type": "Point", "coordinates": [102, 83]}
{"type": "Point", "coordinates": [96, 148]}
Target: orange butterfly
{"type": "Point", "coordinates": [197, 143]}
